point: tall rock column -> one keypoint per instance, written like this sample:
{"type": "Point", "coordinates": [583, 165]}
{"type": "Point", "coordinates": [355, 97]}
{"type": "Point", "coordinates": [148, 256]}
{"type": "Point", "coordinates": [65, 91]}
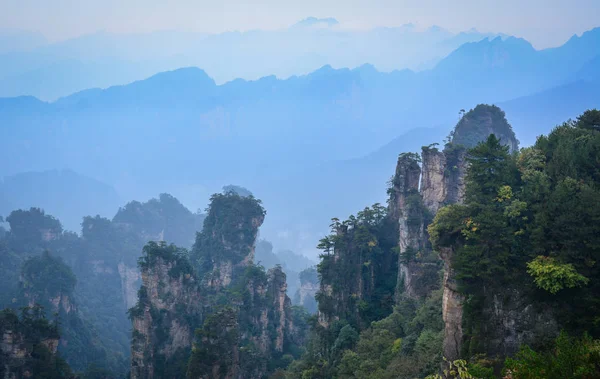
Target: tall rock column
{"type": "Point", "coordinates": [227, 241]}
{"type": "Point", "coordinates": [167, 313]}
{"type": "Point", "coordinates": [452, 310]}
{"type": "Point", "coordinates": [404, 203]}
{"type": "Point", "coordinates": [443, 183]}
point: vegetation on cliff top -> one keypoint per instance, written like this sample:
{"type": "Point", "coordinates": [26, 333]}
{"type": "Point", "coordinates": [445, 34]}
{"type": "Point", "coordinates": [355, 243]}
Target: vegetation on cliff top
{"type": "Point", "coordinates": [475, 125]}
{"type": "Point", "coordinates": [229, 230]}
{"type": "Point", "coordinates": [32, 333]}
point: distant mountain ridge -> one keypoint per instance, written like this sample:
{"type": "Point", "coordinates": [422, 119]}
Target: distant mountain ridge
{"type": "Point", "coordinates": [103, 59]}
{"type": "Point", "coordinates": [308, 136]}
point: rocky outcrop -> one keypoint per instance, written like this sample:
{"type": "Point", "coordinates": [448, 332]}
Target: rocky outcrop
{"type": "Point", "coordinates": [227, 241]}
{"type": "Point", "coordinates": [407, 206]}
{"type": "Point", "coordinates": [512, 320]}
{"type": "Point", "coordinates": [239, 340]}
{"type": "Point", "coordinates": [404, 183]}
{"type": "Point", "coordinates": [16, 354]}
{"type": "Point", "coordinates": [443, 176]}
{"type": "Point", "coordinates": [281, 306]}
{"type": "Point", "coordinates": [306, 292]}
{"type": "Point", "coordinates": [167, 312]}
{"type": "Point", "coordinates": [478, 123]}
{"type": "Point", "coordinates": [234, 318]}
{"type": "Point", "coordinates": [452, 310]}
{"type": "Point", "coordinates": [20, 338]}
{"type": "Point", "coordinates": [442, 182]}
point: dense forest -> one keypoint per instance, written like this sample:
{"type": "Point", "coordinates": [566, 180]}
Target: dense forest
{"type": "Point", "coordinates": [482, 264]}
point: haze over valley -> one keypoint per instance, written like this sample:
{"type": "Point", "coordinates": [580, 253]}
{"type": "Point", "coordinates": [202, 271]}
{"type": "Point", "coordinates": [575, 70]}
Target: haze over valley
{"type": "Point", "coordinates": [242, 192]}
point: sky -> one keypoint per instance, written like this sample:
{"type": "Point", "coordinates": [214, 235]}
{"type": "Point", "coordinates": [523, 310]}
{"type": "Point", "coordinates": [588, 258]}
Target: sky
{"type": "Point", "coordinates": [545, 23]}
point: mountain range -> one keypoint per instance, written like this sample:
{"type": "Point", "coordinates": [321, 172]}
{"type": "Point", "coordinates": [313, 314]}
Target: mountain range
{"type": "Point", "coordinates": [32, 66]}
{"type": "Point", "coordinates": [298, 143]}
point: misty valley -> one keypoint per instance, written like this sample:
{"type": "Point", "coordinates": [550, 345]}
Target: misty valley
{"type": "Point", "coordinates": [437, 220]}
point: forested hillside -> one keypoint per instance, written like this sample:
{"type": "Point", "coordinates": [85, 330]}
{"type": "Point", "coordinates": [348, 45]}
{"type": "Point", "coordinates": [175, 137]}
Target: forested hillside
{"type": "Point", "coordinates": [487, 271]}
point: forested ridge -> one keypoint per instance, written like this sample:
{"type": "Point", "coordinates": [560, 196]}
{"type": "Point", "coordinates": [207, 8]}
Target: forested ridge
{"type": "Point", "coordinates": [482, 264]}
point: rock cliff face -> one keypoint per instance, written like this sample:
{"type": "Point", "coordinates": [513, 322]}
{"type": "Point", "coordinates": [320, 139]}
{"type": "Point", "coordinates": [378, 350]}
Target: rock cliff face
{"type": "Point", "coordinates": [243, 339]}
{"type": "Point", "coordinates": [16, 354]}
{"type": "Point", "coordinates": [512, 321]}
{"type": "Point", "coordinates": [442, 182]}
{"type": "Point", "coordinates": [415, 265]}
{"type": "Point", "coordinates": [130, 283]}
{"type": "Point", "coordinates": [169, 305]}
{"type": "Point", "coordinates": [280, 308]}
{"type": "Point", "coordinates": [478, 123]}
{"type": "Point", "coordinates": [309, 285]}
{"type": "Point", "coordinates": [443, 176]}
{"type": "Point", "coordinates": [227, 241]}
{"type": "Point", "coordinates": [23, 342]}
{"type": "Point", "coordinates": [212, 313]}
{"type": "Point", "coordinates": [452, 310]}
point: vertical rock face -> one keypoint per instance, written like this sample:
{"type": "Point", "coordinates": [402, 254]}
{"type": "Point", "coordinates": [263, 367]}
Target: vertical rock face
{"type": "Point", "coordinates": [404, 182]}
{"type": "Point", "coordinates": [280, 308]}
{"type": "Point", "coordinates": [433, 183]}
{"type": "Point", "coordinates": [443, 176]}
{"type": "Point", "coordinates": [163, 319]}
{"type": "Point", "coordinates": [227, 241]}
{"type": "Point", "coordinates": [309, 285]}
{"type": "Point", "coordinates": [414, 267]}
{"type": "Point", "coordinates": [130, 282]}
{"type": "Point", "coordinates": [241, 314]}
{"type": "Point", "coordinates": [442, 183]}
{"type": "Point", "coordinates": [452, 310]}
{"type": "Point", "coordinates": [239, 341]}
{"type": "Point", "coordinates": [20, 337]}
{"type": "Point", "coordinates": [512, 321]}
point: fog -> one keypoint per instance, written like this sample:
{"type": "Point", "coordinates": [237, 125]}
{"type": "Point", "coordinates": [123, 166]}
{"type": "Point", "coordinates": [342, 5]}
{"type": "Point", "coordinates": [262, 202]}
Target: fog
{"type": "Point", "coordinates": [298, 138]}
{"type": "Point", "coordinates": [237, 190]}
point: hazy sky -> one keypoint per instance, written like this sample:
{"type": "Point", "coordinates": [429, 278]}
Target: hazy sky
{"type": "Point", "coordinates": [543, 22]}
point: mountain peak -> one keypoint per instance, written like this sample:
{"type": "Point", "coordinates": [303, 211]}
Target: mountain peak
{"type": "Point", "coordinates": [590, 37]}
{"type": "Point", "coordinates": [366, 68]}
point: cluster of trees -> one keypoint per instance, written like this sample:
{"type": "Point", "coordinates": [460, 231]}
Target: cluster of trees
{"type": "Point", "coordinates": [405, 344]}
{"type": "Point", "coordinates": [36, 337]}
{"type": "Point", "coordinates": [530, 221]}
{"type": "Point", "coordinates": [359, 266]}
